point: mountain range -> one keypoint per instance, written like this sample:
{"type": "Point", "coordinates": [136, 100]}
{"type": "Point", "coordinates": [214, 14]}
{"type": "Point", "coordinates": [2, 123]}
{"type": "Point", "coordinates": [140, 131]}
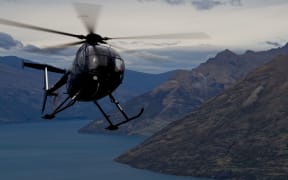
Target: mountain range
{"type": "Point", "coordinates": [187, 90]}
{"type": "Point", "coordinates": [21, 92]}
{"type": "Point", "coordinates": [240, 134]}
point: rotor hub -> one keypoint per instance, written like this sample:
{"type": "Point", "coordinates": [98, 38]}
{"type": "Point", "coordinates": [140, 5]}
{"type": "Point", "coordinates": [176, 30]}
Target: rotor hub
{"type": "Point", "coordinates": [94, 39]}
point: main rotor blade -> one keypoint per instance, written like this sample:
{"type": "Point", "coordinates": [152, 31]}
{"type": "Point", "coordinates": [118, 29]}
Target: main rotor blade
{"type": "Point", "coordinates": [61, 46]}
{"type": "Point", "coordinates": [141, 53]}
{"type": "Point", "coordinates": [37, 28]}
{"type": "Point", "coordinates": [89, 15]}
{"type": "Point", "coordinates": [118, 47]}
{"type": "Point", "coordinates": [197, 35]}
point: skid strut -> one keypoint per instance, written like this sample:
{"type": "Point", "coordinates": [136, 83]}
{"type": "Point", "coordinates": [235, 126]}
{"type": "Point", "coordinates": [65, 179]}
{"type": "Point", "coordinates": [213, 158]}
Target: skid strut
{"type": "Point", "coordinates": [68, 102]}
{"type": "Point", "coordinates": [117, 104]}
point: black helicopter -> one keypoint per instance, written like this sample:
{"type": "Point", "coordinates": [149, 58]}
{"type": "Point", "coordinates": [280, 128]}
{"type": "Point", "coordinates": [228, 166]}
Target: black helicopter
{"type": "Point", "coordinates": [97, 69]}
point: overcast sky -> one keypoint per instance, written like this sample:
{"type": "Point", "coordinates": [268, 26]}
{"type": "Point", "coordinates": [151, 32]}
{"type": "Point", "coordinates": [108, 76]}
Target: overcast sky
{"type": "Point", "coordinates": [233, 24]}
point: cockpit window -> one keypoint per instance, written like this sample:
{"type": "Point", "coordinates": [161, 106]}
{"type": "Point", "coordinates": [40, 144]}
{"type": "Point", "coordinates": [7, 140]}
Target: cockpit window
{"type": "Point", "coordinates": [80, 60]}
{"type": "Point", "coordinates": [96, 61]}
{"type": "Point", "coordinates": [93, 58]}
{"type": "Point", "coordinates": [119, 65]}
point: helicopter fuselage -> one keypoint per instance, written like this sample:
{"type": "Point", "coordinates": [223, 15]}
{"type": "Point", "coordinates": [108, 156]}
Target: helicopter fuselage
{"type": "Point", "coordinates": [96, 72]}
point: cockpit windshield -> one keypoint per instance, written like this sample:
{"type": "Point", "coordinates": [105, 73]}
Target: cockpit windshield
{"type": "Point", "coordinates": [93, 58]}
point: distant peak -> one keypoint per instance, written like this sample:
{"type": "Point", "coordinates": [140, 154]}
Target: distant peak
{"type": "Point", "coordinates": [286, 45]}
{"type": "Point", "coordinates": [250, 52]}
{"type": "Point", "coordinates": [225, 53]}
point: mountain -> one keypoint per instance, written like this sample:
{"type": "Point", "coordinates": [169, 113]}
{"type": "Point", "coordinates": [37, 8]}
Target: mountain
{"type": "Point", "coordinates": [21, 92]}
{"type": "Point", "coordinates": [14, 84]}
{"type": "Point", "coordinates": [187, 90]}
{"type": "Point", "coordinates": [136, 83]}
{"type": "Point", "coordinates": [240, 134]}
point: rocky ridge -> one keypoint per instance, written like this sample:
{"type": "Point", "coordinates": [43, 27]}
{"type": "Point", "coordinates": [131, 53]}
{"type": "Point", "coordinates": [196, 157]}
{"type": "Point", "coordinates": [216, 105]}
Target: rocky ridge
{"type": "Point", "coordinates": [240, 134]}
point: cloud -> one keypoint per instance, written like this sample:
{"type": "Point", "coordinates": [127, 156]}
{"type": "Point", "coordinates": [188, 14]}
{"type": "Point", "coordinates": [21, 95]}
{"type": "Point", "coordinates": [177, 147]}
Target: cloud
{"type": "Point", "coordinates": [145, 0]}
{"type": "Point", "coordinates": [171, 2]}
{"type": "Point", "coordinates": [146, 60]}
{"type": "Point", "coordinates": [166, 59]}
{"type": "Point", "coordinates": [205, 4]}
{"type": "Point", "coordinates": [8, 42]}
{"type": "Point", "coordinates": [9, 1]}
{"type": "Point", "coordinates": [146, 55]}
{"type": "Point", "coordinates": [276, 44]}
{"type": "Point", "coordinates": [57, 57]}
{"type": "Point", "coordinates": [56, 51]}
{"type": "Point", "coordinates": [209, 4]}
{"type": "Point", "coordinates": [199, 4]}
{"type": "Point", "coordinates": [175, 2]}
{"type": "Point", "coordinates": [236, 2]}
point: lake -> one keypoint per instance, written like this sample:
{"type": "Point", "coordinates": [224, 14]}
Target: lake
{"type": "Point", "coordinates": [55, 151]}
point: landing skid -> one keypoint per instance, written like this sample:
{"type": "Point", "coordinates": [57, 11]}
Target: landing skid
{"type": "Point", "coordinates": [68, 102]}
{"type": "Point", "coordinates": [112, 126]}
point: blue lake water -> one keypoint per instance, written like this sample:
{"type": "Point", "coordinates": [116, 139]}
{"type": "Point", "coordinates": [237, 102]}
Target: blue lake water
{"type": "Point", "coordinates": [55, 151]}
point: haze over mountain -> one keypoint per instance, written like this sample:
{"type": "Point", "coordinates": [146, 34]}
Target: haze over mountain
{"type": "Point", "coordinates": [21, 92]}
{"type": "Point", "coordinates": [240, 134]}
{"type": "Point", "coordinates": [187, 90]}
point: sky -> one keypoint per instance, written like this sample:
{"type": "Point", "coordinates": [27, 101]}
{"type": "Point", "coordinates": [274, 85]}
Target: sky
{"type": "Point", "coordinates": [231, 24]}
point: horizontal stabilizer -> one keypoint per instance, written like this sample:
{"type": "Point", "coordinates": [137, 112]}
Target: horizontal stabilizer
{"type": "Point", "coordinates": [43, 66]}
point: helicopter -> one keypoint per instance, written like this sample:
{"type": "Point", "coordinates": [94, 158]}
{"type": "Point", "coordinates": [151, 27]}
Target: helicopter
{"type": "Point", "coordinates": [97, 69]}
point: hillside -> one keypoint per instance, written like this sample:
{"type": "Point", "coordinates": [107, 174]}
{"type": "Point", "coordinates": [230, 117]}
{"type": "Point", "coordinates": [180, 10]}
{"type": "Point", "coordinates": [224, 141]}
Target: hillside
{"type": "Point", "coordinates": [240, 134]}
{"type": "Point", "coordinates": [21, 92]}
{"type": "Point", "coordinates": [15, 94]}
{"type": "Point", "coordinates": [137, 83]}
{"type": "Point", "coordinates": [187, 90]}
